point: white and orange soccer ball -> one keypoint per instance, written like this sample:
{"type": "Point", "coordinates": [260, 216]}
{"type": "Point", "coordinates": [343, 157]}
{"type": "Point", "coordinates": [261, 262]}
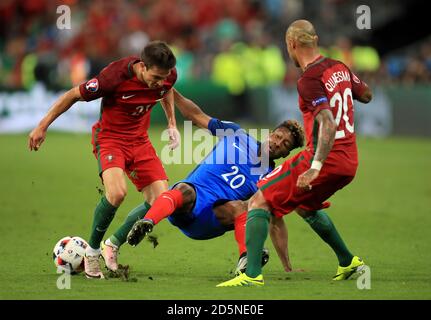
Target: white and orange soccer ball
{"type": "Point", "coordinates": [69, 254]}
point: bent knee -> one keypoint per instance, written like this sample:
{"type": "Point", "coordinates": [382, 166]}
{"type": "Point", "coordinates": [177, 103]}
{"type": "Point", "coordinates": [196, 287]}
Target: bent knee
{"type": "Point", "coordinates": [305, 213]}
{"type": "Point", "coordinates": [185, 188]}
{"type": "Point", "coordinates": [116, 196]}
{"type": "Point", "coordinates": [188, 192]}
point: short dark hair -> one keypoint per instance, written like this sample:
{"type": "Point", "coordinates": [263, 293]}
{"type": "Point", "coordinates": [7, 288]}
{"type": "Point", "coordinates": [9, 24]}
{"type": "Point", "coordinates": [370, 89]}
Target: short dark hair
{"type": "Point", "coordinates": [297, 132]}
{"type": "Point", "coordinates": [157, 53]}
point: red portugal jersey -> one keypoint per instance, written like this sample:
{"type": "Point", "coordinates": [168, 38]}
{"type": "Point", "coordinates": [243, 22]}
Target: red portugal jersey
{"type": "Point", "coordinates": [329, 84]}
{"type": "Point", "coordinates": [126, 101]}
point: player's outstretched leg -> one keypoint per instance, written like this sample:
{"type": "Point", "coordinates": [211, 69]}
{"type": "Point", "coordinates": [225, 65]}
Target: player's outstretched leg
{"type": "Point", "coordinates": [322, 224]}
{"type": "Point", "coordinates": [165, 205]}
{"type": "Point", "coordinates": [139, 230]}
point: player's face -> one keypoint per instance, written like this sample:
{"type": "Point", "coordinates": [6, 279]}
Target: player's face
{"type": "Point", "coordinates": [154, 76]}
{"type": "Point", "coordinates": [279, 143]}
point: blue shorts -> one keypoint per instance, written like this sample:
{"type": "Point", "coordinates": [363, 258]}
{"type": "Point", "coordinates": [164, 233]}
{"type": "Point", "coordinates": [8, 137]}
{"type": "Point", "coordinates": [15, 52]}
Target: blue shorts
{"type": "Point", "coordinates": [201, 223]}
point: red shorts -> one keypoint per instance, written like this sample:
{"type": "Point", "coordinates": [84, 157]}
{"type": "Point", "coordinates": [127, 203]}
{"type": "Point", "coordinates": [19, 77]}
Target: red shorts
{"type": "Point", "coordinates": [280, 190]}
{"type": "Point", "coordinates": [137, 158]}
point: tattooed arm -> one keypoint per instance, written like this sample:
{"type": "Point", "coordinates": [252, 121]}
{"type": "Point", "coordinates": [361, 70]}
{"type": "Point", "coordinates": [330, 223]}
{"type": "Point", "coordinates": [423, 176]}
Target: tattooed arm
{"type": "Point", "coordinates": [327, 129]}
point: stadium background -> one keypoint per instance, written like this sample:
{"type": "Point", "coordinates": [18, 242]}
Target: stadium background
{"type": "Point", "coordinates": [232, 61]}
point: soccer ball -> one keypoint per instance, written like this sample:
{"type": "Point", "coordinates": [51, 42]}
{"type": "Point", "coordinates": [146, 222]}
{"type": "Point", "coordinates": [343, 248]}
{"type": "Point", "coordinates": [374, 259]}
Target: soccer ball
{"type": "Point", "coordinates": [69, 254]}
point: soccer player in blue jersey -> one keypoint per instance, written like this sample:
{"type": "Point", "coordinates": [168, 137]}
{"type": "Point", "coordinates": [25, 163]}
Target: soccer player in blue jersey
{"type": "Point", "coordinates": [210, 201]}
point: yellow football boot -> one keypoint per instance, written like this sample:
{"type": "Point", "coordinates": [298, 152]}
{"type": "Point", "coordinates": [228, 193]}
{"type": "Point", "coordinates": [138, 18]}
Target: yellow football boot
{"type": "Point", "coordinates": [243, 280]}
{"type": "Point", "coordinates": [344, 273]}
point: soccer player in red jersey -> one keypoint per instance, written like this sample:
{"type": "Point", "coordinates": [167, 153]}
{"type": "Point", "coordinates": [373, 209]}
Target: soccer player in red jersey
{"type": "Point", "coordinates": [304, 182]}
{"type": "Point", "coordinates": [129, 88]}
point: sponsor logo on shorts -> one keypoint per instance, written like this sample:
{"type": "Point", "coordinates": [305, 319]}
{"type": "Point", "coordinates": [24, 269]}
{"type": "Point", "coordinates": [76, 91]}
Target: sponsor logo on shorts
{"type": "Point", "coordinates": [319, 101]}
{"type": "Point", "coordinates": [109, 157]}
{"type": "Point", "coordinates": [133, 174]}
{"type": "Point", "coordinates": [92, 85]}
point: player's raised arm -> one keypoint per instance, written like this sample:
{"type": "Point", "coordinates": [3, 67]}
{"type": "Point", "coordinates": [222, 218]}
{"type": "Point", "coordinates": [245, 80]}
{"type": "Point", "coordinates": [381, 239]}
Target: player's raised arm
{"type": "Point", "coordinates": [63, 103]}
{"type": "Point", "coordinates": [169, 107]}
{"type": "Point", "coordinates": [191, 110]}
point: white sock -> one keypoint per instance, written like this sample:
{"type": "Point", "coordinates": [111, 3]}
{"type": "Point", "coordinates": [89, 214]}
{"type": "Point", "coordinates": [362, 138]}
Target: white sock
{"type": "Point", "coordinates": [109, 243]}
{"type": "Point", "coordinates": [89, 251]}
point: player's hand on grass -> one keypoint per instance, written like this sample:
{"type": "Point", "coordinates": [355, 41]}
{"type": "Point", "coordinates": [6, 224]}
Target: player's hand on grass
{"type": "Point", "coordinates": [36, 138]}
{"type": "Point", "coordinates": [306, 178]}
{"type": "Point", "coordinates": [174, 138]}
{"type": "Point", "coordinates": [293, 270]}
{"type": "Point", "coordinates": [288, 267]}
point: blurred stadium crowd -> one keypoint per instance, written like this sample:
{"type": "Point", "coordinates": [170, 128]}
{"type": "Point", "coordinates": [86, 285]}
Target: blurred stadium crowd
{"type": "Point", "coordinates": [236, 43]}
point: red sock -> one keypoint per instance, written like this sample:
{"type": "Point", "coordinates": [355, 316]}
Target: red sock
{"type": "Point", "coordinates": [240, 232]}
{"type": "Point", "coordinates": [165, 205]}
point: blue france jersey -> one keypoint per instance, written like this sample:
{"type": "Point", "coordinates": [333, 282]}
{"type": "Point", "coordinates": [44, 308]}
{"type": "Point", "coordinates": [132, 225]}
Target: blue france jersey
{"type": "Point", "coordinates": [232, 169]}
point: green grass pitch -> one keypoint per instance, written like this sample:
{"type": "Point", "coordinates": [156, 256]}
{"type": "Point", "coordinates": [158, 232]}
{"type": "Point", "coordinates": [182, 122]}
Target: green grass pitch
{"type": "Point", "coordinates": [384, 216]}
